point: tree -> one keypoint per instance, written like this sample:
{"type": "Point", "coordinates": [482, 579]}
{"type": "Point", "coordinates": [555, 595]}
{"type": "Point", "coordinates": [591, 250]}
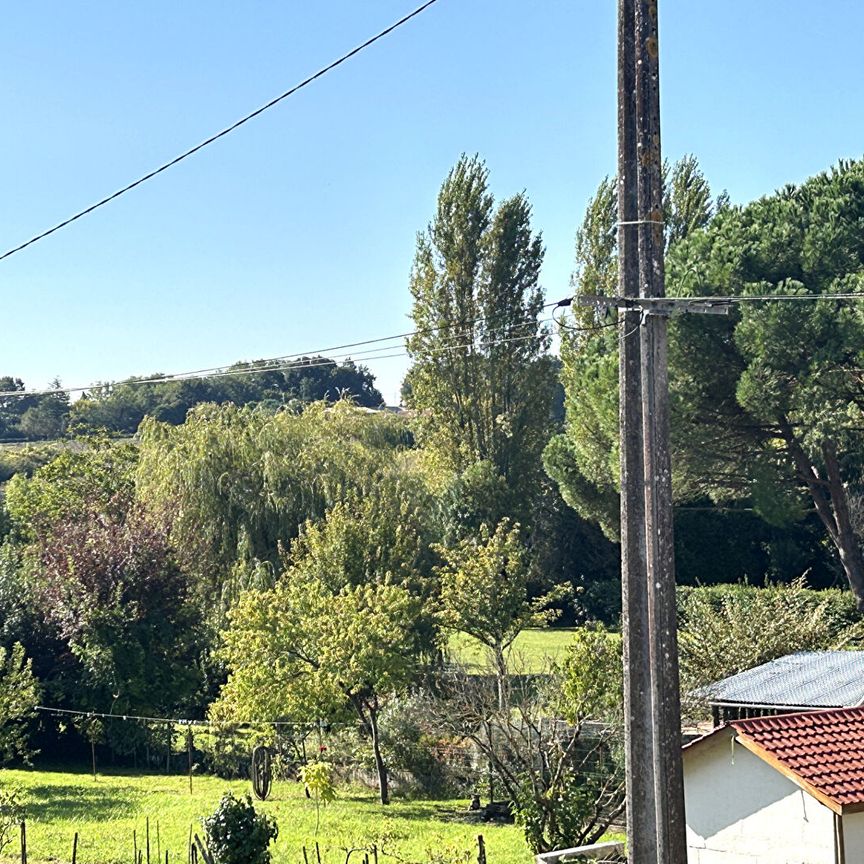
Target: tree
{"type": "Point", "coordinates": [483, 592]}
{"type": "Point", "coordinates": [342, 628]}
{"type": "Point", "coordinates": [769, 401]}
{"type": "Point", "coordinates": [481, 382]}
{"type": "Point", "coordinates": [120, 407]}
{"type": "Point", "coordinates": [302, 651]}
{"type": "Point", "coordinates": [237, 484]}
{"type": "Point", "coordinates": [583, 459]}
{"type": "Point", "coordinates": [110, 585]}
{"type": "Point", "coordinates": [19, 693]}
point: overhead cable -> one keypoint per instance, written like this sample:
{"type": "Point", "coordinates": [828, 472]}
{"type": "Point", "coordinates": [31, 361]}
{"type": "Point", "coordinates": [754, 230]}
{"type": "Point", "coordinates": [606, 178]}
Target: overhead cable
{"type": "Point", "coordinates": [228, 129]}
{"type": "Point", "coordinates": [299, 360]}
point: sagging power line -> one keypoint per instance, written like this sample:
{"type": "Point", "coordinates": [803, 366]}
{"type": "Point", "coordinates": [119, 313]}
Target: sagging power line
{"type": "Point", "coordinates": [226, 131]}
{"type": "Point", "coordinates": [319, 357]}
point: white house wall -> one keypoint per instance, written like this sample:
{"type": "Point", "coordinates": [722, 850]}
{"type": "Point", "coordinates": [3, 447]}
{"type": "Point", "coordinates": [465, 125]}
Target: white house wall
{"type": "Point", "coordinates": [740, 810]}
{"type": "Point", "coordinates": [853, 837]}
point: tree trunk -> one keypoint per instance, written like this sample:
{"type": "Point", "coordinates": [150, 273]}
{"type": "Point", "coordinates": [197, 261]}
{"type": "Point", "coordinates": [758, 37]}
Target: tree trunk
{"type": "Point", "coordinates": [500, 674]}
{"type": "Point", "coordinates": [380, 767]}
{"type": "Point", "coordinates": [831, 501]}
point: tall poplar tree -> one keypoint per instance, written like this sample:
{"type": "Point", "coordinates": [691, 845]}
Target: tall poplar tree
{"type": "Point", "coordinates": [481, 381]}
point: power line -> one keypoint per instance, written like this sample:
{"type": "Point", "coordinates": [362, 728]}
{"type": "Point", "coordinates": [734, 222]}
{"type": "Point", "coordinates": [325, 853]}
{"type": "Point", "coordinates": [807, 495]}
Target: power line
{"type": "Point", "coordinates": [178, 721]}
{"type": "Point", "coordinates": [185, 155]}
{"type": "Point", "coordinates": [282, 362]}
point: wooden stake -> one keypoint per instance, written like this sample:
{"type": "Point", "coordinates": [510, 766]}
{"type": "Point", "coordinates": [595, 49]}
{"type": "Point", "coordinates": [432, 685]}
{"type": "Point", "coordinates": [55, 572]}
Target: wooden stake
{"type": "Point", "coordinates": [317, 852]}
{"type": "Point", "coordinates": [481, 850]}
{"type": "Point", "coordinates": [305, 856]}
{"type": "Point", "coordinates": [23, 842]}
{"type": "Point", "coordinates": [75, 848]}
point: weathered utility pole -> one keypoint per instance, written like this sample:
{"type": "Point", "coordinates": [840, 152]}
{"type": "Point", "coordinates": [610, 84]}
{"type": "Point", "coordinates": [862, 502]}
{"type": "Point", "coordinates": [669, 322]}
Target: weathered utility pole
{"type": "Point", "coordinates": [638, 701]}
{"type": "Point", "coordinates": [668, 774]}
{"type": "Point", "coordinates": [655, 796]}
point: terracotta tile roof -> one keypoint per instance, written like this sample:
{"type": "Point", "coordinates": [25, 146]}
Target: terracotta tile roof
{"type": "Point", "coordinates": [823, 751]}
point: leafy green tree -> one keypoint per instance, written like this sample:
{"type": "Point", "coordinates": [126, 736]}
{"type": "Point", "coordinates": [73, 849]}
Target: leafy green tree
{"type": "Point", "coordinates": [583, 459]}
{"type": "Point", "coordinates": [19, 694]}
{"type": "Point", "coordinates": [302, 651]}
{"type": "Point", "coordinates": [483, 592]}
{"type": "Point", "coordinates": [481, 382]}
{"type": "Point", "coordinates": [120, 408]}
{"type": "Point", "coordinates": [97, 473]}
{"type": "Point", "coordinates": [768, 402]}
{"type": "Point", "coordinates": [237, 484]}
{"type": "Point", "coordinates": [343, 627]}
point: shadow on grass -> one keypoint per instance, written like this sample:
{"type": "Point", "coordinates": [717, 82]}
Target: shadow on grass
{"type": "Point", "coordinates": [48, 803]}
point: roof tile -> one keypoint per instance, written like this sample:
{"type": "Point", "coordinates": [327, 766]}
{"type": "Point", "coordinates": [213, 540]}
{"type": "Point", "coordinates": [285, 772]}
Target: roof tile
{"type": "Point", "coordinates": [823, 748]}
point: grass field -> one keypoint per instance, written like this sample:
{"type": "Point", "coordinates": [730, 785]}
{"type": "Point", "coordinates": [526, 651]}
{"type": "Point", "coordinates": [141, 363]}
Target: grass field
{"type": "Point", "coordinates": [105, 812]}
{"type": "Point", "coordinates": [530, 652]}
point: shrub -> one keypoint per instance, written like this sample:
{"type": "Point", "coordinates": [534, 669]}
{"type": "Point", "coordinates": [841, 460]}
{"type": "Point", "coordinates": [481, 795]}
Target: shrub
{"type": "Point", "coordinates": [726, 629]}
{"type": "Point", "coordinates": [236, 834]}
{"type": "Point", "coordinates": [11, 814]}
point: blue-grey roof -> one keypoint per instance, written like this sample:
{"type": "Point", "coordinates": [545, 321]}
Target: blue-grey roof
{"type": "Point", "coordinates": [818, 679]}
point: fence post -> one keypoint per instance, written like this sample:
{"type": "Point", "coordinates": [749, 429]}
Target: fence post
{"type": "Point", "coordinates": [481, 850]}
{"type": "Point", "coordinates": [23, 842]}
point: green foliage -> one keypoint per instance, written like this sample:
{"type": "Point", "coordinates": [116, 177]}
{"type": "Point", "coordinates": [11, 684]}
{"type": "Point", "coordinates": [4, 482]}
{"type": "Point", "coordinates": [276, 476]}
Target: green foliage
{"type": "Point", "coordinates": [120, 408]}
{"type": "Point", "coordinates": [592, 678]}
{"type": "Point", "coordinates": [317, 779]}
{"type": "Point", "coordinates": [726, 629]}
{"type": "Point", "coordinates": [483, 589]}
{"type": "Point", "coordinates": [19, 694]}
{"type": "Point", "coordinates": [481, 381]}
{"type": "Point", "coordinates": [584, 458]}
{"type": "Point", "coordinates": [31, 417]}
{"type": "Point", "coordinates": [303, 651]}
{"type": "Point", "coordinates": [584, 787]}
{"type": "Point", "coordinates": [12, 812]}
{"type": "Point", "coordinates": [95, 472]}
{"type": "Point", "coordinates": [238, 483]}
{"type": "Point", "coordinates": [236, 834]}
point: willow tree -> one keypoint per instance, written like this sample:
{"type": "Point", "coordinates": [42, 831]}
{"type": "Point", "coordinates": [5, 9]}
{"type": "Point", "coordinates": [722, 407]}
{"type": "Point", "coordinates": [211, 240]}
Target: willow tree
{"type": "Point", "coordinates": [238, 483]}
{"type": "Point", "coordinates": [481, 381]}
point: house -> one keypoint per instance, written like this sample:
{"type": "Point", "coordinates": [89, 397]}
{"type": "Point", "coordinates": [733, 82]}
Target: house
{"type": "Point", "coordinates": [785, 789]}
{"type": "Point", "coordinates": [804, 681]}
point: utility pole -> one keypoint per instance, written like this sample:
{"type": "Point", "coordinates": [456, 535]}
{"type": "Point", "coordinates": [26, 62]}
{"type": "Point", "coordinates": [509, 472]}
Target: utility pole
{"type": "Point", "coordinates": [655, 789]}
{"type": "Point", "coordinates": [668, 774]}
{"type": "Point", "coordinates": [638, 699]}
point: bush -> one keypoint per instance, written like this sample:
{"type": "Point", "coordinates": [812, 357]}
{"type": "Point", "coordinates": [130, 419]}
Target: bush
{"type": "Point", "coordinates": [11, 814]}
{"type": "Point", "coordinates": [726, 629]}
{"type": "Point", "coordinates": [236, 834]}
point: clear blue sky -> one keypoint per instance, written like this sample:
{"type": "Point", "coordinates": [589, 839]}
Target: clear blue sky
{"type": "Point", "coordinates": [297, 232]}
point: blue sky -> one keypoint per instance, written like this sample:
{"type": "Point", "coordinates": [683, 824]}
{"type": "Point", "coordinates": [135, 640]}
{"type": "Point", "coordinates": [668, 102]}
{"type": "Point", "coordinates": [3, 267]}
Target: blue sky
{"type": "Point", "coordinates": [297, 231]}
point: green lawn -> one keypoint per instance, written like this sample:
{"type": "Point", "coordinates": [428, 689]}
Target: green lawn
{"type": "Point", "coordinates": [105, 812]}
{"type": "Point", "coordinates": [530, 652]}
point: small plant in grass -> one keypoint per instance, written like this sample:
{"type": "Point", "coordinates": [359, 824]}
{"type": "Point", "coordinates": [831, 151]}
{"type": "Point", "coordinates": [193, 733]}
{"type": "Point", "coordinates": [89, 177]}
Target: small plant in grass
{"type": "Point", "coordinates": [236, 834]}
{"type": "Point", "coordinates": [11, 814]}
{"type": "Point", "coordinates": [317, 777]}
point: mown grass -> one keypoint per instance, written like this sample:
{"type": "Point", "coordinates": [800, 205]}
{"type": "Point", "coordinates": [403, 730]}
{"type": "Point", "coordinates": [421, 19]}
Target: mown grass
{"type": "Point", "coordinates": [106, 811]}
{"type": "Point", "coordinates": [531, 651]}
